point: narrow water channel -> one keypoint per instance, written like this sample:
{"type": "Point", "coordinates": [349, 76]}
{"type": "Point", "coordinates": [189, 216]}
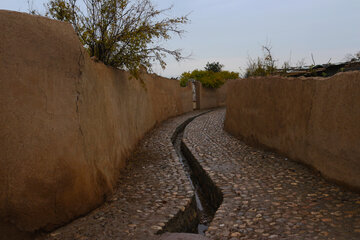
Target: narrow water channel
{"type": "Point", "coordinates": [205, 211]}
{"type": "Point", "coordinates": [208, 197]}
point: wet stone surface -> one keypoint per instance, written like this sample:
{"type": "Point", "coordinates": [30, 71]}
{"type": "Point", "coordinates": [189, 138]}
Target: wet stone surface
{"type": "Point", "coordinates": [151, 190]}
{"type": "Point", "coordinates": [267, 196]}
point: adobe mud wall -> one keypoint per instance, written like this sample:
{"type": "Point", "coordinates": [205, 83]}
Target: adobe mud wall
{"type": "Point", "coordinates": [313, 120]}
{"type": "Point", "coordinates": [67, 124]}
{"type": "Point", "coordinates": [211, 98]}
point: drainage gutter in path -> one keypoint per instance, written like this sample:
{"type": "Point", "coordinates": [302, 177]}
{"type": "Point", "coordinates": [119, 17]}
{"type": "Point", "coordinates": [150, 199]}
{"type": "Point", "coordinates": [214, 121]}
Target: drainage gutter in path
{"type": "Point", "coordinates": [198, 214]}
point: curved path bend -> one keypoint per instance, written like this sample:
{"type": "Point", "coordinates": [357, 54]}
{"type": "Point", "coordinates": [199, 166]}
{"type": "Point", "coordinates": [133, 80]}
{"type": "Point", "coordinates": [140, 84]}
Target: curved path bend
{"type": "Point", "coordinates": [151, 190]}
{"type": "Point", "coordinates": [265, 196]}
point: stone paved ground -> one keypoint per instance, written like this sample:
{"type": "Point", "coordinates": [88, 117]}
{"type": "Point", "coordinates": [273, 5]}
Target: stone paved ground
{"type": "Point", "coordinates": [150, 191]}
{"type": "Point", "coordinates": [267, 196]}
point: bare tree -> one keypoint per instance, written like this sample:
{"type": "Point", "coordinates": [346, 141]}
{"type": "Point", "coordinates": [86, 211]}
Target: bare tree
{"type": "Point", "coordinates": [121, 33]}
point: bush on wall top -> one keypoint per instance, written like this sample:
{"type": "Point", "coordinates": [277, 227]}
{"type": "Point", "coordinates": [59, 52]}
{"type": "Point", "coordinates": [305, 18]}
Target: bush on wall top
{"type": "Point", "coordinates": [211, 77]}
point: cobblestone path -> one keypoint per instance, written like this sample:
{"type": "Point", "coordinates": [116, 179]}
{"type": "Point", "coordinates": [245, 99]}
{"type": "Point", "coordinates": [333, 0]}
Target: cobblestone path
{"type": "Point", "coordinates": [151, 190]}
{"type": "Point", "coordinates": [266, 196]}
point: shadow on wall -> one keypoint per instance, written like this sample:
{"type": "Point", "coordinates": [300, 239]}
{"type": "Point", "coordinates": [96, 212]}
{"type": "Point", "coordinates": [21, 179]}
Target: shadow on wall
{"type": "Point", "coordinates": [313, 120]}
{"type": "Point", "coordinates": [210, 97]}
{"type": "Point", "coordinates": [67, 123]}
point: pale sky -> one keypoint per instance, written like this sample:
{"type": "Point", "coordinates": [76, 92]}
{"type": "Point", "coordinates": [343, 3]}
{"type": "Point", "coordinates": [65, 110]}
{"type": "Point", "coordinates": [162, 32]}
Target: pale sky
{"type": "Point", "coordinates": [229, 31]}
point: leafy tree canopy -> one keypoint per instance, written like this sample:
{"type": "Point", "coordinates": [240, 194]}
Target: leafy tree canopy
{"type": "Point", "coordinates": [208, 78]}
{"type": "Point", "coordinates": [121, 33]}
{"type": "Point", "coordinates": [214, 67]}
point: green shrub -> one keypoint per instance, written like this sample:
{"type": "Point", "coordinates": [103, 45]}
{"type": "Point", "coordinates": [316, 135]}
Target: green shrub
{"type": "Point", "coordinates": [214, 67]}
{"type": "Point", "coordinates": [208, 79]}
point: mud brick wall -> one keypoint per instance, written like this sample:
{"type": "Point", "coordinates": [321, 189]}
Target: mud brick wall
{"type": "Point", "coordinates": [312, 120]}
{"type": "Point", "coordinates": [211, 98]}
{"type": "Point", "coordinates": [67, 123]}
